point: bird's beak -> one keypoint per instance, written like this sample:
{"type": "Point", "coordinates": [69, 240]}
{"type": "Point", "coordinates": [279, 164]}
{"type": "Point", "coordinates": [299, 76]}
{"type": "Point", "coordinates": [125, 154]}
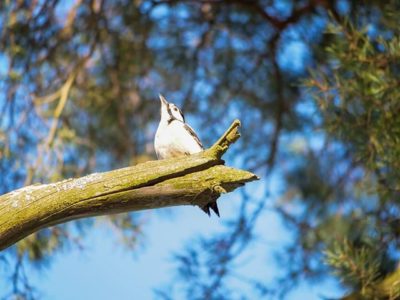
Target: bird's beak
{"type": "Point", "coordinates": [163, 100]}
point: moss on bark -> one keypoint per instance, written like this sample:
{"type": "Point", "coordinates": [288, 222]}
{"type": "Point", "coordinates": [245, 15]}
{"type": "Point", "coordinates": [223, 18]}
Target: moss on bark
{"type": "Point", "coordinates": [190, 180]}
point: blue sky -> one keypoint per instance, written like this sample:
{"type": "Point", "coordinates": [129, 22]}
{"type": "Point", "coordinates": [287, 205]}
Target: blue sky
{"type": "Point", "coordinates": [103, 270]}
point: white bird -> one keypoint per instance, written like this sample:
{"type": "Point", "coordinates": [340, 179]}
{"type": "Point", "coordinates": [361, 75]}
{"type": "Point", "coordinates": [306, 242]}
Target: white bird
{"type": "Point", "coordinates": [176, 138]}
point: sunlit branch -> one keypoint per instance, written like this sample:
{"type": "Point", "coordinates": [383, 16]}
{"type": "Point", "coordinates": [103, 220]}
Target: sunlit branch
{"type": "Point", "coordinates": [193, 180]}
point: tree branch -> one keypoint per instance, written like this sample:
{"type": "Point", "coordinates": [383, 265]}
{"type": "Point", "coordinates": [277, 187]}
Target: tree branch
{"type": "Point", "coordinates": [190, 180]}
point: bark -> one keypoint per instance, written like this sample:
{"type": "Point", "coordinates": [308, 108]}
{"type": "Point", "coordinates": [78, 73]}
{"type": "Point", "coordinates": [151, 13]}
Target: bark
{"type": "Point", "coordinates": [191, 180]}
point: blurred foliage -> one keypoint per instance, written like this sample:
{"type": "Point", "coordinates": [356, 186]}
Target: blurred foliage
{"type": "Point", "coordinates": [358, 94]}
{"type": "Point", "coordinates": [356, 266]}
{"type": "Point", "coordinates": [79, 81]}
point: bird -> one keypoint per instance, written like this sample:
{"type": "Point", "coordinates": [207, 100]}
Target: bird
{"type": "Point", "coordinates": [174, 138]}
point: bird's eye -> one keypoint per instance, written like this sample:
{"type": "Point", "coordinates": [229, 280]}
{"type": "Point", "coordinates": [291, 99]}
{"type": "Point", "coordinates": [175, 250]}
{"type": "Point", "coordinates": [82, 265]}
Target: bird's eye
{"type": "Point", "coordinates": [175, 109]}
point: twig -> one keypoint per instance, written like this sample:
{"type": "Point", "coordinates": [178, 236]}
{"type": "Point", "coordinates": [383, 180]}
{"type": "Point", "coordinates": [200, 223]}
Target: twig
{"type": "Point", "coordinates": [64, 92]}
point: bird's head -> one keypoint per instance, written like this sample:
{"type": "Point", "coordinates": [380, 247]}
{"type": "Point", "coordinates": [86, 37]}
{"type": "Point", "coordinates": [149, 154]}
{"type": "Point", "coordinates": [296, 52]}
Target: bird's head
{"type": "Point", "coordinates": [170, 111]}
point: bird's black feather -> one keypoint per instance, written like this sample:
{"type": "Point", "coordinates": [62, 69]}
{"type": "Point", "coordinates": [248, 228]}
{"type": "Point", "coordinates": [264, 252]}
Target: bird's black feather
{"type": "Point", "coordinates": [193, 134]}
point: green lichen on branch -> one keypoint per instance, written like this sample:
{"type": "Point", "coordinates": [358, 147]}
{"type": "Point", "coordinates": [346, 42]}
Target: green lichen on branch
{"type": "Point", "coordinates": [193, 180]}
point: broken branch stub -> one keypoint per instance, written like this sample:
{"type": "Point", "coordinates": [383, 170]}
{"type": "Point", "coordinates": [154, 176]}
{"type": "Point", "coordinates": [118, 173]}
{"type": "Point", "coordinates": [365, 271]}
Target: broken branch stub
{"type": "Point", "coordinates": [230, 136]}
{"type": "Point", "coordinates": [189, 180]}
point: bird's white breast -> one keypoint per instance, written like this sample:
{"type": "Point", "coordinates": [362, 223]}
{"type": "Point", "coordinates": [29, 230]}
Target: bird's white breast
{"type": "Point", "coordinates": [174, 140]}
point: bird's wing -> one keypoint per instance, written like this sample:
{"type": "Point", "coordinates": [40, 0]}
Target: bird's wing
{"type": "Point", "coordinates": [193, 134]}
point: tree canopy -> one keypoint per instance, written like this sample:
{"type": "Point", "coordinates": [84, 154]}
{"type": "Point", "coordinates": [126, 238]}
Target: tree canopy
{"type": "Point", "coordinates": [315, 84]}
